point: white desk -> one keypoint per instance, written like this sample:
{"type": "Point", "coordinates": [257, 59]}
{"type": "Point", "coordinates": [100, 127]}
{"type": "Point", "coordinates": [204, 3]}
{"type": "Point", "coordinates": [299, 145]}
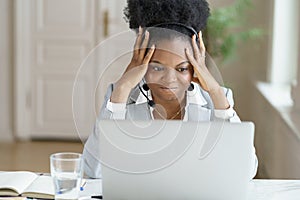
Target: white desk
{"type": "Point", "coordinates": [260, 189]}
{"type": "Point", "coordinates": [269, 189]}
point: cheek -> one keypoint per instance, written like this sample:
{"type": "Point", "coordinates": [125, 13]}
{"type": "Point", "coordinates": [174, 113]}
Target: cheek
{"type": "Point", "coordinates": [186, 79]}
{"type": "Point", "coordinates": [150, 77]}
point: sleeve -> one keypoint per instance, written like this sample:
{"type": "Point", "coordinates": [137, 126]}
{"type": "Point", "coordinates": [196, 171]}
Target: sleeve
{"type": "Point", "coordinates": [91, 151]}
{"type": "Point", "coordinates": [111, 110]}
{"type": "Point", "coordinates": [91, 155]}
{"type": "Point", "coordinates": [228, 114]}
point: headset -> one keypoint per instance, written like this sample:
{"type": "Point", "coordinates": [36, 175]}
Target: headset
{"type": "Point", "coordinates": [169, 25]}
{"type": "Point", "coordinates": [151, 103]}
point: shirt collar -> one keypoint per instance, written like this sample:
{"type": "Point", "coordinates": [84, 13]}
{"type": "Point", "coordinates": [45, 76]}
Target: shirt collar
{"type": "Point", "coordinates": [195, 96]}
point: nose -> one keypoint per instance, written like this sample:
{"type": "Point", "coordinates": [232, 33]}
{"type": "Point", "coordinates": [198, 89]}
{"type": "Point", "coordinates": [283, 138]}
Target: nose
{"type": "Point", "coordinates": [169, 75]}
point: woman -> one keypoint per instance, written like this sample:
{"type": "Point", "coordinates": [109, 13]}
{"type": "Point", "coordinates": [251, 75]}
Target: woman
{"type": "Point", "coordinates": [159, 81]}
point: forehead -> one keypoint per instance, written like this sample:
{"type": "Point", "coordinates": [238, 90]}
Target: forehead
{"type": "Point", "coordinates": [171, 51]}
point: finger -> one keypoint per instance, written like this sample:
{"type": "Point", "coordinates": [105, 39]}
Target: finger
{"type": "Point", "coordinates": [197, 69]}
{"type": "Point", "coordinates": [149, 55]}
{"type": "Point", "coordinates": [144, 46]}
{"type": "Point", "coordinates": [138, 41]}
{"type": "Point", "coordinates": [201, 44]}
{"type": "Point", "coordinates": [144, 66]}
{"type": "Point", "coordinates": [194, 63]}
{"type": "Point", "coordinates": [196, 50]}
{"type": "Point", "coordinates": [191, 58]}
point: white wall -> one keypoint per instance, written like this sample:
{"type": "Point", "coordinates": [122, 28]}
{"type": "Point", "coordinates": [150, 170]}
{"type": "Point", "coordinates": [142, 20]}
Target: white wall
{"type": "Point", "coordinates": [6, 70]}
{"type": "Point", "coordinates": [252, 60]}
{"type": "Point", "coordinates": [277, 138]}
{"type": "Point", "coordinates": [276, 142]}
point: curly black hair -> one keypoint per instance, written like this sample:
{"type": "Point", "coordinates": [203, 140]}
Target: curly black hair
{"type": "Point", "coordinates": [148, 13]}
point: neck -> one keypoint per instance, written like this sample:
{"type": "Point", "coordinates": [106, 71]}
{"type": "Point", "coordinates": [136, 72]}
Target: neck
{"type": "Point", "coordinates": [169, 109]}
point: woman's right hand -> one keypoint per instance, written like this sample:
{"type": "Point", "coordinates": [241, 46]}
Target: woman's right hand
{"type": "Point", "coordinates": [136, 69]}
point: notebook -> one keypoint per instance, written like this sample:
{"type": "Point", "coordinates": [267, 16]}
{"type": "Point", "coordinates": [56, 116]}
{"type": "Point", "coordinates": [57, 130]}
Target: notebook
{"type": "Point", "coordinates": [26, 184]}
{"type": "Point", "coordinates": [170, 159]}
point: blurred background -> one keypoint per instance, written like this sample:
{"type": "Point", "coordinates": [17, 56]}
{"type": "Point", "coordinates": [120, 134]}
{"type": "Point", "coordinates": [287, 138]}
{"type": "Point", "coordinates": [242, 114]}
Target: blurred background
{"type": "Point", "coordinates": [44, 42]}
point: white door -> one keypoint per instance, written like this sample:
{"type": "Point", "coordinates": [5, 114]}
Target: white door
{"type": "Point", "coordinates": [114, 50]}
{"type": "Point", "coordinates": [53, 37]}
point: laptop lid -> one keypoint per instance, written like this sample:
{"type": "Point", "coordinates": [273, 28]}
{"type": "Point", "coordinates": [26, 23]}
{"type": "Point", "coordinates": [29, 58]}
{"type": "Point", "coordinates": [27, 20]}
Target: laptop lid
{"type": "Point", "coordinates": [170, 159]}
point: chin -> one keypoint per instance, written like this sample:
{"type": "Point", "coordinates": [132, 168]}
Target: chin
{"type": "Point", "coordinates": [170, 98]}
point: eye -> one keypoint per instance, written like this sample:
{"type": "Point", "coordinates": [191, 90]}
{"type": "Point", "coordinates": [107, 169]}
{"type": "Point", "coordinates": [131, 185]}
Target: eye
{"type": "Point", "coordinates": [182, 69]}
{"type": "Point", "coordinates": [157, 68]}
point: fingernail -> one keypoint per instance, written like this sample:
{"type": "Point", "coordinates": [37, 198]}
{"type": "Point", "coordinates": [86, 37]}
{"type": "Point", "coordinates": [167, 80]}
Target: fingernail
{"type": "Point", "coordinates": [146, 33]}
{"type": "Point", "coordinates": [200, 33]}
{"type": "Point", "coordinates": [140, 30]}
{"type": "Point", "coordinates": [153, 46]}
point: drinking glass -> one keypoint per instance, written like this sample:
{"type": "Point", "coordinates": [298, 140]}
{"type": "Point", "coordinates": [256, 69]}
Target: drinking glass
{"type": "Point", "coordinates": [66, 171]}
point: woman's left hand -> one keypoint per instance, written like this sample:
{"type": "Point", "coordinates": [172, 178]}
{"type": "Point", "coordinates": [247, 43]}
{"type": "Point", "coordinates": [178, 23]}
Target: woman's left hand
{"type": "Point", "coordinates": [204, 77]}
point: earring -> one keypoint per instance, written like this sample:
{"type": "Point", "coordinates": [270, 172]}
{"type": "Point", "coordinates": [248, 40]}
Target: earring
{"type": "Point", "coordinates": [191, 87]}
{"type": "Point", "coordinates": [145, 87]}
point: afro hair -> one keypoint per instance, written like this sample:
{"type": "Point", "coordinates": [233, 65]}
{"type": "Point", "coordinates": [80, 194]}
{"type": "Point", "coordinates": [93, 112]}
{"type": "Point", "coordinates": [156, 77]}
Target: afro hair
{"type": "Point", "coordinates": [148, 13]}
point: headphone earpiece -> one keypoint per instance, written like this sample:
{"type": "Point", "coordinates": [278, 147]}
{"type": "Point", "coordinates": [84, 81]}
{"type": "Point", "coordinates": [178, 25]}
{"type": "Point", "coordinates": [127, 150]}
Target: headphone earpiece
{"type": "Point", "coordinates": [145, 87]}
{"type": "Point", "coordinates": [151, 103]}
{"type": "Point", "coordinates": [191, 87]}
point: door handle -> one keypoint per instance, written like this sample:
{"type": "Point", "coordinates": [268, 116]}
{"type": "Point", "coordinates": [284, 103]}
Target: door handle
{"type": "Point", "coordinates": [105, 23]}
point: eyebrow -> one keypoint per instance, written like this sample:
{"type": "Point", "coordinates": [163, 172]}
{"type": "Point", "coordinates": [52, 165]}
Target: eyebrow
{"type": "Point", "coordinates": [155, 61]}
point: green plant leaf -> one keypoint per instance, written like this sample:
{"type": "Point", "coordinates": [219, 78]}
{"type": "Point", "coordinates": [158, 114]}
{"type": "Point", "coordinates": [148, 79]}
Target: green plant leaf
{"type": "Point", "coordinates": [223, 31]}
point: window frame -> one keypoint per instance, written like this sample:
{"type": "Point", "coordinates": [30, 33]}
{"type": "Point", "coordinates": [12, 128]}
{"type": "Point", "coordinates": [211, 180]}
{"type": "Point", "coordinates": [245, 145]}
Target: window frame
{"type": "Point", "coordinates": [286, 52]}
{"type": "Point", "coordinates": [296, 87]}
{"type": "Point", "coordinates": [284, 49]}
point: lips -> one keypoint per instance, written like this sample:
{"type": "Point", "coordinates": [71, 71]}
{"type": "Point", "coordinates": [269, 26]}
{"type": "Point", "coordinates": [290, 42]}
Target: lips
{"type": "Point", "coordinates": [168, 88]}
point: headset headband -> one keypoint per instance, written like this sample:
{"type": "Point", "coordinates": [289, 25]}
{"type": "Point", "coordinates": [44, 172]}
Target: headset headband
{"type": "Point", "coordinates": [168, 24]}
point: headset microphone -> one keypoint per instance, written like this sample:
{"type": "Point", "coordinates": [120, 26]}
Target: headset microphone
{"type": "Point", "coordinates": [151, 103]}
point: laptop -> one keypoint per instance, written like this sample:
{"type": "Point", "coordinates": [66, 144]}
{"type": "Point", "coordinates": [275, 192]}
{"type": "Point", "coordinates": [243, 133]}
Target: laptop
{"type": "Point", "coordinates": [170, 159]}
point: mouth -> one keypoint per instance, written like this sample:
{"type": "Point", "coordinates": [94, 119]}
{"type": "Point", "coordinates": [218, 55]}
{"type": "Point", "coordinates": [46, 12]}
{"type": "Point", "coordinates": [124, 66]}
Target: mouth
{"type": "Point", "coordinates": [168, 88]}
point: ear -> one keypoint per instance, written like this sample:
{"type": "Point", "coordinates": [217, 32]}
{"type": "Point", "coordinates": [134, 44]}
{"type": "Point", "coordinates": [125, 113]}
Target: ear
{"type": "Point", "coordinates": [196, 80]}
